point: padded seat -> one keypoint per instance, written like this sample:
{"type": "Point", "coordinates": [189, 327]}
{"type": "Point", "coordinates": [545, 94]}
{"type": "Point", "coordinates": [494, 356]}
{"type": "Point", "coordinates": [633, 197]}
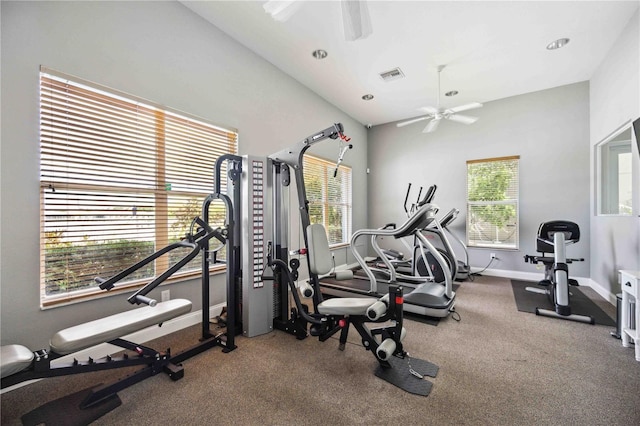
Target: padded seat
{"type": "Point", "coordinates": [14, 358]}
{"type": "Point", "coordinates": [348, 306]}
{"type": "Point", "coordinates": [103, 330]}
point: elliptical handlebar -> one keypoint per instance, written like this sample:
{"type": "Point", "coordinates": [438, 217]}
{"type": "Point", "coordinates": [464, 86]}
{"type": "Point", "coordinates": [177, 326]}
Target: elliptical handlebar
{"type": "Point", "coordinates": [406, 198]}
{"type": "Point", "coordinates": [427, 199]}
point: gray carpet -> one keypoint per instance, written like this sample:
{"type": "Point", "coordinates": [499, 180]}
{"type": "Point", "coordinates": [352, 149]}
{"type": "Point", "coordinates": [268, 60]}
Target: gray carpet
{"type": "Point", "coordinates": [527, 301]}
{"type": "Point", "coordinates": [497, 366]}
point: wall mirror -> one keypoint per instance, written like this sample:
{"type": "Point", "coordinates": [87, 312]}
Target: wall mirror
{"type": "Point", "coordinates": [614, 173]}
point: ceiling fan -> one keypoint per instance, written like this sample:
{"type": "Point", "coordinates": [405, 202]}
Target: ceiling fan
{"type": "Point", "coordinates": [436, 114]}
{"type": "Point", "coordinates": [355, 15]}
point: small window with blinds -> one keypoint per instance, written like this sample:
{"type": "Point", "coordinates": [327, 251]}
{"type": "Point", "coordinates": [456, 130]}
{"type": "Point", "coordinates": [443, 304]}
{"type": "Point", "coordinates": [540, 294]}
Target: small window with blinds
{"type": "Point", "coordinates": [492, 203]}
{"type": "Point", "coordinates": [120, 178]}
{"type": "Point", "coordinates": [329, 197]}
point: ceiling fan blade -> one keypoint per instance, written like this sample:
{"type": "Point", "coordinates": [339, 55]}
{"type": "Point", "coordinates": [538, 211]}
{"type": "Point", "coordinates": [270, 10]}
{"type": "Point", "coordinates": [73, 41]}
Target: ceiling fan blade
{"type": "Point", "coordinates": [429, 110]}
{"type": "Point", "coordinates": [281, 10]}
{"type": "Point", "coordinates": [415, 120]}
{"type": "Point", "coordinates": [465, 119]}
{"type": "Point", "coordinates": [432, 126]}
{"type": "Point", "coordinates": [465, 107]}
{"type": "Point", "coordinates": [356, 19]}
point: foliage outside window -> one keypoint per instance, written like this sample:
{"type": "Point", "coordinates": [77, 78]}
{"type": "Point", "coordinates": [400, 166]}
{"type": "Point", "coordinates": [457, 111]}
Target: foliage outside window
{"type": "Point", "coordinates": [492, 203]}
{"type": "Point", "coordinates": [615, 175]}
{"type": "Point", "coordinates": [119, 179]}
{"type": "Point", "coordinates": [329, 197]}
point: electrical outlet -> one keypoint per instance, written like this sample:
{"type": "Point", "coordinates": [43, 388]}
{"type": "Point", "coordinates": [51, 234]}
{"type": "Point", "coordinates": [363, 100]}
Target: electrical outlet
{"type": "Point", "coordinates": [165, 295]}
{"type": "Point", "coordinates": [493, 255]}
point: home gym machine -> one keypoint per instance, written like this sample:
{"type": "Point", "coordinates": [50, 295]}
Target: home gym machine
{"type": "Point", "coordinates": [552, 238]}
{"type": "Point", "coordinates": [19, 364]}
{"type": "Point", "coordinates": [261, 192]}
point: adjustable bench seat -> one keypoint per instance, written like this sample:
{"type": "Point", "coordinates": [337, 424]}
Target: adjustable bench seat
{"type": "Point", "coordinates": [16, 358]}
{"type": "Point", "coordinates": [103, 330]}
{"type": "Point", "coordinates": [346, 306]}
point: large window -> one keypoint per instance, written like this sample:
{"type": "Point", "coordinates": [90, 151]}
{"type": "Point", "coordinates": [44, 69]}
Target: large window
{"type": "Point", "coordinates": [119, 178]}
{"type": "Point", "coordinates": [492, 203]}
{"type": "Point", "coordinates": [329, 197]}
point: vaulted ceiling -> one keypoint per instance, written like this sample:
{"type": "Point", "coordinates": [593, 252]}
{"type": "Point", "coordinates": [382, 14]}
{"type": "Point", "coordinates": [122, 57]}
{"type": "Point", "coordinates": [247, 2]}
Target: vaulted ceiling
{"type": "Point", "coordinates": [491, 49]}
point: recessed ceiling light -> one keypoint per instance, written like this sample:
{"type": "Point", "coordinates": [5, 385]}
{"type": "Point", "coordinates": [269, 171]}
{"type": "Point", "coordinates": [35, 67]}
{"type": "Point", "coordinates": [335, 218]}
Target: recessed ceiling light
{"type": "Point", "coordinates": [319, 54]}
{"type": "Point", "coordinates": [451, 93]}
{"type": "Point", "coordinates": [367, 97]}
{"type": "Point", "coordinates": [557, 44]}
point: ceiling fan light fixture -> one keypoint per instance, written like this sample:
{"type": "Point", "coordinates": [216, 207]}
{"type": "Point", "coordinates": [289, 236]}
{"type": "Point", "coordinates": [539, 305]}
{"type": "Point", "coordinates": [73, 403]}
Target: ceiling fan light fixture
{"type": "Point", "coordinates": [557, 44]}
{"type": "Point", "coordinates": [367, 97]}
{"type": "Point", "coordinates": [436, 114]}
{"type": "Point", "coordinates": [319, 54]}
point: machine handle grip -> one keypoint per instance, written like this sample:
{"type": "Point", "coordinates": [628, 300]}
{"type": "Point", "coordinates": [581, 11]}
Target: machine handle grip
{"type": "Point", "coordinates": [145, 300]}
{"type": "Point", "coordinates": [100, 281]}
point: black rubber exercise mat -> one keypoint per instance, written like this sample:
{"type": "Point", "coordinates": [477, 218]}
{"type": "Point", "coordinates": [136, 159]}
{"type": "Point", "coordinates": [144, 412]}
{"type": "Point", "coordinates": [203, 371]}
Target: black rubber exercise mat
{"type": "Point", "coordinates": [527, 301]}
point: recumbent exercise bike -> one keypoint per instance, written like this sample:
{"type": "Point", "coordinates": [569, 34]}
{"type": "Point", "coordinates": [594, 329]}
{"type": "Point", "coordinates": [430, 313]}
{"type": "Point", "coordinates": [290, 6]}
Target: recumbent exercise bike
{"type": "Point", "coordinates": [552, 238]}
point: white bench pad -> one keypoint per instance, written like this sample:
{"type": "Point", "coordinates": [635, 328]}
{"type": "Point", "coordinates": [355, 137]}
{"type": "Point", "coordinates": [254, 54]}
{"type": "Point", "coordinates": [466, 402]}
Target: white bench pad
{"type": "Point", "coordinates": [14, 358]}
{"type": "Point", "coordinates": [92, 333]}
{"type": "Point", "coordinates": [346, 306]}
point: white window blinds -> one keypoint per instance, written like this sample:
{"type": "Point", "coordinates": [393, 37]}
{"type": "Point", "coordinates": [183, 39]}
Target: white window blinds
{"type": "Point", "coordinates": [329, 197]}
{"type": "Point", "coordinates": [492, 202]}
{"type": "Point", "coordinates": [120, 178]}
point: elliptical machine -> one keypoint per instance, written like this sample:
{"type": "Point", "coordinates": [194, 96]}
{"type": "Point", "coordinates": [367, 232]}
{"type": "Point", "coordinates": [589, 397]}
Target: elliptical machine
{"type": "Point", "coordinates": [553, 237]}
{"type": "Point", "coordinates": [422, 265]}
{"type": "Point", "coordinates": [406, 267]}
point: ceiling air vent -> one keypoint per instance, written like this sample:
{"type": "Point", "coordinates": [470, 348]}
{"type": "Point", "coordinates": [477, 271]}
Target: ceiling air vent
{"type": "Point", "coordinates": [393, 74]}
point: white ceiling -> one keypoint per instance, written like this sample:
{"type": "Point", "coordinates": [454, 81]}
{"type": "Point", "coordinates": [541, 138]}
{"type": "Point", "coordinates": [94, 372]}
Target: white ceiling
{"type": "Point", "coordinates": [492, 50]}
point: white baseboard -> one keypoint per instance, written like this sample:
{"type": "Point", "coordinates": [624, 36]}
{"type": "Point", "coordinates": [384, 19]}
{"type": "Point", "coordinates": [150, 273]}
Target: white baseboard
{"type": "Point", "coordinates": [140, 336]}
{"type": "Point", "coordinates": [516, 275]}
{"type": "Point", "coordinates": [610, 297]}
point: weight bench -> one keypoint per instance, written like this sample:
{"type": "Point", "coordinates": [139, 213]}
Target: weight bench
{"type": "Point", "coordinates": [18, 363]}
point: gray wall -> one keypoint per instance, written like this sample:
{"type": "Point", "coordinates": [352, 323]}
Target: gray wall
{"type": "Point", "coordinates": [160, 51]}
{"type": "Point", "coordinates": [549, 130]}
{"type": "Point", "coordinates": [615, 99]}
{"type": "Point", "coordinates": [555, 132]}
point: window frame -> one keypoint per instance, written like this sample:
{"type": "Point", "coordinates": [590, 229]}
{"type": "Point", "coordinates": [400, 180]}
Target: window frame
{"type": "Point", "coordinates": [608, 185]}
{"type": "Point", "coordinates": [515, 201]}
{"type": "Point", "coordinates": [327, 168]}
{"type": "Point", "coordinates": [187, 184]}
